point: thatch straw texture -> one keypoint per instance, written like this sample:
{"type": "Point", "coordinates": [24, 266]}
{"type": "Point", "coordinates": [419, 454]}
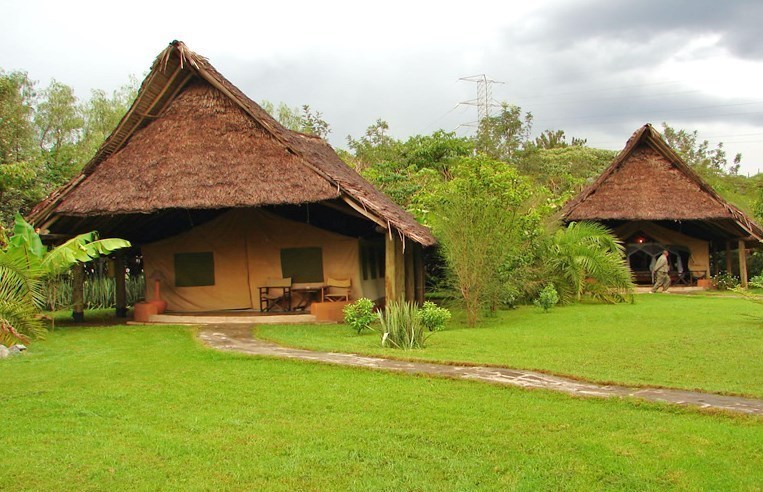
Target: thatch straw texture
{"type": "Point", "coordinates": [204, 152]}
{"type": "Point", "coordinates": [648, 187]}
{"type": "Point", "coordinates": [192, 140]}
{"type": "Point", "coordinates": [649, 181]}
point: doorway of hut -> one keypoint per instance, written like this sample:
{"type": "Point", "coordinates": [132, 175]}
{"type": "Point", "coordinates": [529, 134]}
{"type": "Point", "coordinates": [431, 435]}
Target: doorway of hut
{"type": "Point", "coordinates": [642, 255]}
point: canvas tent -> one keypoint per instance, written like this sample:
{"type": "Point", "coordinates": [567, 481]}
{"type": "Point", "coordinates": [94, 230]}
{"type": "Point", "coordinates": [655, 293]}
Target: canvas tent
{"type": "Point", "coordinates": [196, 160]}
{"type": "Point", "coordinates": [653, 200]}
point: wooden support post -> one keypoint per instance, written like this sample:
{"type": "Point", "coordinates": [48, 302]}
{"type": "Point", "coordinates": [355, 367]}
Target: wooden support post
{"type": "Point", "coordinates": [78, 292]}
{"type": "Point", "coordinates": [121, 288]}
{"type": "Point", "coordinates": [418, 273]}
{"type": "Point", "coordinates": [394, 269]}
{"type": "Point", "coordinates": [743, 263]}
{"type": "Point", "coordinates": [728, 257]}
{"type": "Point", "coordinates": [410, 286]}
{"type": "Point", "coordinates": [716, 268]}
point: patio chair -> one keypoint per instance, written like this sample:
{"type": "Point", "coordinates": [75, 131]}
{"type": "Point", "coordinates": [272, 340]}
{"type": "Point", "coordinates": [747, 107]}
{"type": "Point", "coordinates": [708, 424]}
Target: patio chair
{"type": "Point", "coordinates": [337, 289]}
{"type": "Point", "coordinates": [276, 292]}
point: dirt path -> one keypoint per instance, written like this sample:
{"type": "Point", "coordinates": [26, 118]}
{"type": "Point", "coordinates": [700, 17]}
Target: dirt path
{"type": "Point", "coordinates": [238, 338]}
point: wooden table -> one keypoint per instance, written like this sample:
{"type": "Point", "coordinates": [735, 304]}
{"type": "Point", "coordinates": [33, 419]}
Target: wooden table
{"type": "Point", "coordinates": [307, 293]}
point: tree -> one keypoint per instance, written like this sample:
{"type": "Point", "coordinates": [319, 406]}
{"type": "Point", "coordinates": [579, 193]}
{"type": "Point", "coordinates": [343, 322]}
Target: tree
{"type": "Point", "coordinates": [59, 126]}
{"type": "Point", "coordinates": [403, 170]}
{"type": "Point", "coordinates": [565, 170]}
{"type": "Point", "coordinates": [101, 114]}
{"type": "Point", "coordinates": [553, 140]}
{"type": "Point", "coordinates": [16, 117]}
{"type": "Point", "coordinates": [25, 262]}
{"type": "Point", "coordinates": [480, 216]}
{"type": "Point", "coordinates": [699, 155]}
{"type": "Point", "coordinates": [373, 148]}
{"type": "Point", "coordinates": [304, 119]}
{"type": "Point", "coordinates": [19, 164]}
{"type": "Point", "coordinates": [502, 137]}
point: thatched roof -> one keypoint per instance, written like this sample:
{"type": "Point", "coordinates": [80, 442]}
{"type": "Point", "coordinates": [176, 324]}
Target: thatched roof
{"type": "Point", "coordinates": [194, 141]}
{"type": "Point", "coordinates": [649, 181]}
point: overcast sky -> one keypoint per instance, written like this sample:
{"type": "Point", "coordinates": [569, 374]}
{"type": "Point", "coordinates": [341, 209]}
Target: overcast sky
{"type": "Point", "coordinates": [597, 69]}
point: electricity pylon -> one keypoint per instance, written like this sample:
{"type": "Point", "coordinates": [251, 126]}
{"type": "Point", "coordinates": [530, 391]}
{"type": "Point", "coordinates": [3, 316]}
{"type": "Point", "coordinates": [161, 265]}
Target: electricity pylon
{"type": "Point", "coordinates": [484, 100]}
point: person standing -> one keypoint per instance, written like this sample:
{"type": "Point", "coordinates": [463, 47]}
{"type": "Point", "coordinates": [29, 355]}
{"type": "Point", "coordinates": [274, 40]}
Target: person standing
{"type": "Point", "coordinates": [661, 275]}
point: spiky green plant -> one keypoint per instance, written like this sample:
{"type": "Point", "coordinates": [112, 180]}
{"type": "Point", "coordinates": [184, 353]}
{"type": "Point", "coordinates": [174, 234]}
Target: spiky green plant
{"type": "Point", "coordinates": [401, 326]}
{"type": "Point", "coordinates": [586, 258]}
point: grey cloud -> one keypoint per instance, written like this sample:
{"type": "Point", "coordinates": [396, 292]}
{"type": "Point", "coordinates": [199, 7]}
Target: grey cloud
{"type": "Point", "coordinates": [737, 22]}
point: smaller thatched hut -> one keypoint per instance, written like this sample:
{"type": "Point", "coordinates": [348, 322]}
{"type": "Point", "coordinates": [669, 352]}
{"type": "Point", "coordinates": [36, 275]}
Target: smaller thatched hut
{"type": "Point", "coordinates": [653, 200]}
{"type": "Point", "coordinates": [202, 179]}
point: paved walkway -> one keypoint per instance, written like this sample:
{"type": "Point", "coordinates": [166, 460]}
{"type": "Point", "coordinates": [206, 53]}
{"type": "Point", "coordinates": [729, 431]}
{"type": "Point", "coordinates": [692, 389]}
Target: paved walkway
{"type": "Point", "coordinates": [238, 338]}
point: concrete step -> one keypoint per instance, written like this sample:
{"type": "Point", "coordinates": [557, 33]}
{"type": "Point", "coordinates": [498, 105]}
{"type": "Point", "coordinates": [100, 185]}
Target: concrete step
{"type": "Point", "coordinates": [191, 319]}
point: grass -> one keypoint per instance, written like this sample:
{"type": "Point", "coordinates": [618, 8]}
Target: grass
{"type": "Point", "coordinates": [710, 343]}
{"type": "Point", "coordinates": [148, 408]}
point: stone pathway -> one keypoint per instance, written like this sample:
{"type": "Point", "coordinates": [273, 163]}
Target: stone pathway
{"type": "Point", "coordinates": [238, 338]}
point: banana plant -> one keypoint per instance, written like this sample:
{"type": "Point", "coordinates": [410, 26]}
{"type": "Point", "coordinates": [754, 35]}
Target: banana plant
{"type": "Point", "coordinates": [25, 262]}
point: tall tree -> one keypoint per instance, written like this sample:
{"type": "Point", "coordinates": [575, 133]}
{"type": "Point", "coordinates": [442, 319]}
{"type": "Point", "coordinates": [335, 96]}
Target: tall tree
{"type": "Point", "coordinates": [564, 170]}
{"type": "Point", "coordinates": [102, 113]}
{"type": "Point", "coordinates": [16, 117]}
{"type": "Point", "coordinates": [304, 119]}
{"type": "Point", "coordinates": [19, 156]}
{"type": "Point", "coordinates": [59, 125]}
{"type": "Point", "coordinates": [502, 137]}
{"type": "Point", "coordinates": [480, 217]}
{"type": "Point", "coordinates": [698, 154]}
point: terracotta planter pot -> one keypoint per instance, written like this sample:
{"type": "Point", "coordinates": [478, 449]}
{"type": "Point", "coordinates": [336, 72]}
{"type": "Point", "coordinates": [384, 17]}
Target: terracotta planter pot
{"type": "Point", "coordinates": [705, 283]}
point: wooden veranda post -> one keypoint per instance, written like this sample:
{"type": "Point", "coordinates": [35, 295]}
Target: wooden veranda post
{"type": "Point", "coordinates": [418, 273]}
{"type": "Point", "coordinates": [121, 288]}
{"type": "Point", "coordinates": [410, 286]}
{"type": "Point", "coordinates": [728, 257]}
{"type": "Point", "coordinates": [743, 263]}
{"type": "Point", "coordinates": [394, 272]}
{"type": "Point", "coordinates": [78, 292]}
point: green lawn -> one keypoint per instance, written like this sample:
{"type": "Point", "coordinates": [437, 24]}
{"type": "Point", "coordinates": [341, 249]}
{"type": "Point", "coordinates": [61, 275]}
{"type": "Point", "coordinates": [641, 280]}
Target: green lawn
{"type": "Point", "coordinates": [149, 408]}
{"type": "Point", "coordinates": [711, 343]}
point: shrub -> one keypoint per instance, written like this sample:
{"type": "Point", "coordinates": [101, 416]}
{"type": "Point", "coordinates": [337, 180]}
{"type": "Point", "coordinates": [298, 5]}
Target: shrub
{"type": "Point", "coordinates": [756, 282]}
{"type": "Point", "coordinates": [433, 317]}
{"type": "Point", "coordinates": [725, 281]}
{"type": "Point", "coordinates": [401, 326]}
{"type": "Point", "coordinates": [360, 314]}
{"type": "Point", "coordinates": [548, 298]}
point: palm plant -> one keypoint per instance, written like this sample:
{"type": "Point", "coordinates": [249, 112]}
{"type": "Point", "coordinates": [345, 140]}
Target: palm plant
{"type": "Point", "coordinates": [25, 262]}
{"type": "Point", "coordinates": [20, 294]}
{"type": "Point", "coordinates": [585, 258]}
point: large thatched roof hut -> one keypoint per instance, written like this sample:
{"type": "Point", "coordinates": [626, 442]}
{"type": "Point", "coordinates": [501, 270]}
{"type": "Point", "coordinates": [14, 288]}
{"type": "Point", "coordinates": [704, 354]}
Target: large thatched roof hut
{"type": "Point", "coordinates": [194, 152]}
{"type": "Point", "coordinates": [653, 201]}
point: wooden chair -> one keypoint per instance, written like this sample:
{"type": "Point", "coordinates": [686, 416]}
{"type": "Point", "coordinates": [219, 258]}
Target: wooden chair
{"type": "Point", "coordinates": [337, 289]}
{"type": "Point", "coordinates": [276, 292]}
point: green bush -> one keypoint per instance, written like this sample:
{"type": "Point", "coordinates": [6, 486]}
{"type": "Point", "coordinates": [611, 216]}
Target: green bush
{"type": "Point", "coordinates": [725, 281]}
{"type": "Point", "coordinates": [548, 298]}
{"type": "Point", "coordinates": [756, 282]}
{"type": "Point", "coordinates": [433, 317]}
{"type": "Point", "coordinates": [401, 326]}
{"type": "Point", "coordinates": [360, 314]}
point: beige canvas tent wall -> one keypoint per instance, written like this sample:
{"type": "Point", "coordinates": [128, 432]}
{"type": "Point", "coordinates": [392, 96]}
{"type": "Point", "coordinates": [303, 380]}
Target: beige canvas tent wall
{"type": "Point", "coordinates": [246, 247]}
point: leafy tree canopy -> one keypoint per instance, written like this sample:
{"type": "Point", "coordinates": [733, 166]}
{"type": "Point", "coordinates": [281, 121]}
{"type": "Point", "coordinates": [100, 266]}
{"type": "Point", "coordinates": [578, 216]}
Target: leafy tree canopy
{"type": "Point", "coordinates": [304, 119]}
